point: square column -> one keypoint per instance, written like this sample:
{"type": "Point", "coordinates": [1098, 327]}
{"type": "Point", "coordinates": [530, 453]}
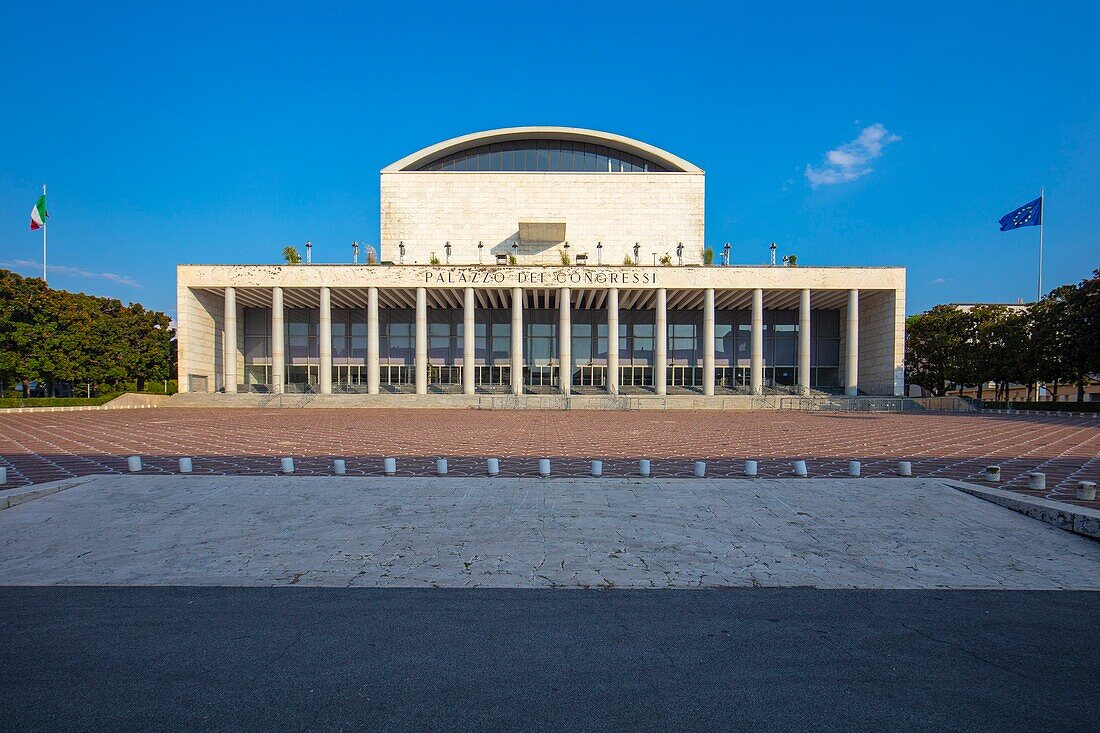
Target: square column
{"type": "Point", "coordinates": [517, 341]}
{"type": "Point", "coordinates": [613, 341]}
{"type": "Point", "coordinates": [565, 342]}
{"type": "Point", "coordinates": [372, 341]}
{"type": "Point", "coordinates": [708, 341]}
{"type": "Point", "coordinates": [229, 353]}
{"type": "Point", "coordinates": [851, 346]}
{"type": "Point", "coordinates": [324, 373]}
{"type": "Point", "coordinates": [804, 342]}
{"type": "Point", "coordinates": [468, 342]}
{"type": "Point", "coordinates": [421, 341]}
{"type": "Point", "coordinates": [278, 339]}
{"type": "Point", "coordinates": [756, 364]}
{"type": "Point", "coordinates": [660, 349]}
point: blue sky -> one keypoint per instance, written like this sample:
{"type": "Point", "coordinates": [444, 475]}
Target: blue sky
{"type": "Point", "coordinates": [172, 132]}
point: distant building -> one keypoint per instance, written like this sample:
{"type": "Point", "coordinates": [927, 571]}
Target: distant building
{"type": "Point", "coordinates": [967, 307]}
{"type": "Point", "coordinates": [1045, 393]}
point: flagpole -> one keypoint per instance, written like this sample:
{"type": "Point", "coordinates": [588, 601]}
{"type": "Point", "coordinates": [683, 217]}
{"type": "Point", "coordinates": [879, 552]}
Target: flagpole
{"type": "Point", "coordinates": [43, 240]}
{"type": "Point", "coordinates": [1042, 219]}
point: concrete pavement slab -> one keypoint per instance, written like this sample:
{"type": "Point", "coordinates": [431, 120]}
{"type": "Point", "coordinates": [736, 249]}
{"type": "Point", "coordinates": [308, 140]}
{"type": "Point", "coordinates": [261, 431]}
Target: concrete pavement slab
{"type": "Point", "coordinates": [527, 532]}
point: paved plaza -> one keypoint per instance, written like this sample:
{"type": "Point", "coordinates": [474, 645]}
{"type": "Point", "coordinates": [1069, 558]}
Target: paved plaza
{"type": "Point", "coordinates": [238, 598]}
{"type": "Point", "coordinates": [534, 533]}
{"type": "Point", "coordinates": [45, 447]}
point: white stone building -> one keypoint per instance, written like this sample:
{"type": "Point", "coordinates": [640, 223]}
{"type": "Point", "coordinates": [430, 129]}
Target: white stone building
{"type": "Point", "coordinates": [493, 245]}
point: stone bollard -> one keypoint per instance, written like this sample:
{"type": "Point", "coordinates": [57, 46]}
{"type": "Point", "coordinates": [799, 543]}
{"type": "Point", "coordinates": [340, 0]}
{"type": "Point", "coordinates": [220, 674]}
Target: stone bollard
{"type": "Point", "coordinates": [700, 469]}
{"type": "Point", "coordinates": [1086, 491]}
{"type": "Point", "coordinates": [3, 475]}
{"type": "Point", "coordinates": [287, 465]}
{"type": "Point", "coordinates": [134, 463]}
{"type": "Point", "coordinates": [905, 468]}
{"type": "Point", "coordinates": [389, 466]}
{"type": "Point", "coordinates": [751, 468]}
{"type": "Point", "coordinates": [993, 474]}
{"type": "Point", "coordinates": [800, 469]}
{"type": "Point", "coordinates": [544, 467]}
{"type": "Point", "coordinates": [853, 469]}
{"type": "Point", "coordinates": [185, 465]}
{"type": "Point", "coordinates": [597, 469]}
{"type": "Point", "coordinates": [492, 466]}
{"type": "Point", "coordinates": [440, 466]}
{"type": "Point", "coordinates": [339, 467]}
{"type": "Point", "coordinates": [643, 468]}
{"type": "Point", "coordinates": [1036, 480]}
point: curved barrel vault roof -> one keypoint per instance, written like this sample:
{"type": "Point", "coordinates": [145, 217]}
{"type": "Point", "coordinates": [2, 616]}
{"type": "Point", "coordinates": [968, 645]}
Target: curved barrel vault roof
{"type": "Point", "coordinates": [673, 163]}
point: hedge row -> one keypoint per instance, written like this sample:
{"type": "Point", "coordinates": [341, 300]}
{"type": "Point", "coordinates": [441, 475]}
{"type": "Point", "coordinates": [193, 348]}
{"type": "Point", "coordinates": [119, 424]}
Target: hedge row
{"type": "Point", "coordinates": [56, 401]}
{"type": "Point", "coordinates": [1050, 406]}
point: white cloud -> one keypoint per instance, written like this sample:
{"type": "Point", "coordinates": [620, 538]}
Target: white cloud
{"type": "Point", "coordinates": [937, 281]}
{"type": "Point", "coordinates": [36, 267]}
{"type": "Point", "coordinates": [851, 160]}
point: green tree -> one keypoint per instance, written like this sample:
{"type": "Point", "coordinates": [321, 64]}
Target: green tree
{"type": "Point", "coordinates": [934, 343]}
{"type": "Point", "coordinates": [24, 327]}
{"type": "Point", "coordinates": [290, 254]}
{"type": "Point", "coordinates": [1087, 342]}
{"type": "Point", "coordinates": [1022, 356]}
{"type": "Point", "coordinates": [148, 344]}
{"type": "Point", "coordinates": [989, 352]}
{"type": "Point", "coordinates": [1066, 321]}
{"type": "Point", "coordinates": [55, 335]}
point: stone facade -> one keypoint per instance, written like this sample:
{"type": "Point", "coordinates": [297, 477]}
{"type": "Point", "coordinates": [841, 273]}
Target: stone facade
{"type": "Point", "coordinates": [695, 297]}
{"type": "Point", "coordinates": [655, 210]}
{"type": "Point", "coordinates": [881, 351]}
{"type": "Point", "coordinates": [528, 192]}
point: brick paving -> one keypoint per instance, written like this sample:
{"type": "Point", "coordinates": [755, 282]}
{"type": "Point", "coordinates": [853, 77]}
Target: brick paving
{"type": "Point", "coordinates": [45, 447]}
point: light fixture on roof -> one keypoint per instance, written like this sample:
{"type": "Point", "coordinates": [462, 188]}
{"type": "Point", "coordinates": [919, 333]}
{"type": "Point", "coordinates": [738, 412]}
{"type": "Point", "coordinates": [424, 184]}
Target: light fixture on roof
{"type": "Point", "coordinates": [480, 247]}
{"type": "Point", "coordinates": [726, 254]}
{"type": "Point", "coordinates": [355, 253]}
{"type": "Point", "coordinates": [773, 248]}
{"type": "Point", "coordinates": [401, 252]}
{"type": "Point", "coordinates": [447, 252]}
{"type": "Point", "coordinates": [599, 253]}
{"type": "Point", "coordinates": [637, 252]}
{"type": "Point", "coordinates": [680, 252]}
{"type": "Point", "coordinates": [515, 248]}
{"type": "Point", "coordinates": [309, 253]}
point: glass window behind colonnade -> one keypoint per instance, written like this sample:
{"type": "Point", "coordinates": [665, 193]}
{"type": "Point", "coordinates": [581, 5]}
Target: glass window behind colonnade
{"type": "Point", "coordinates": [635, 340]}
{"type": "Point", "coordinates": [257, 346]}
{"type": "Point", "coordinates": [492, 336]}
{"type": "Point", "coordinates": [733, 346]}
{"type": "Point", "coordinates": [544, 155]}
{"type": "Point", "coordinates": [301, 340]}
{"type": "Point", "coordinates": [825, 348]}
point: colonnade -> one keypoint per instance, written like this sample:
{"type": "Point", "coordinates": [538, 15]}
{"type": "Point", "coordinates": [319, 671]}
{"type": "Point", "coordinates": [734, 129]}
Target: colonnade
{"type": "Point", "coordinates": [660, 355]}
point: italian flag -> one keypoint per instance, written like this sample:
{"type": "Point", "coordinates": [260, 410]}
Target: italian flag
{"type": "Point", "coordinates": [38, 214]}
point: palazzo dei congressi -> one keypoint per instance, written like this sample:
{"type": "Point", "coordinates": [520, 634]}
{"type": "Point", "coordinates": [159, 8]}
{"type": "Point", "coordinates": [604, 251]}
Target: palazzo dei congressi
{"type": "Point", "coordinates": [508, 257]}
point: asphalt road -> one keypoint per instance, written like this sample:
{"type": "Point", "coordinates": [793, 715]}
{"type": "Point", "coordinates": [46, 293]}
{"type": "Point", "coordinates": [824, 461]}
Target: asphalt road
{"type": "Point", "coordinates": [178, 658]}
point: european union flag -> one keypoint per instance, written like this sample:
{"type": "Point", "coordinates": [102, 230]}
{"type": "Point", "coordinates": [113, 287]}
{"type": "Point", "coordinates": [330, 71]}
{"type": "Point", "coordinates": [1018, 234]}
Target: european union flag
{"type": "Point", "coordinates": [1028, 215]}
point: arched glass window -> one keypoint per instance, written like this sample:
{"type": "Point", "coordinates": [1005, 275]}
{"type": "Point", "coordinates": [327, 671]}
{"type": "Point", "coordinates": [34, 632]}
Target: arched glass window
{"type": "Point", "coordinates": [544, 155]}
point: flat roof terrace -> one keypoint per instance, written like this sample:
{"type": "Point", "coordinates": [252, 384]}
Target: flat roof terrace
{"type": "Point", "coordinates": [397, 284]}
